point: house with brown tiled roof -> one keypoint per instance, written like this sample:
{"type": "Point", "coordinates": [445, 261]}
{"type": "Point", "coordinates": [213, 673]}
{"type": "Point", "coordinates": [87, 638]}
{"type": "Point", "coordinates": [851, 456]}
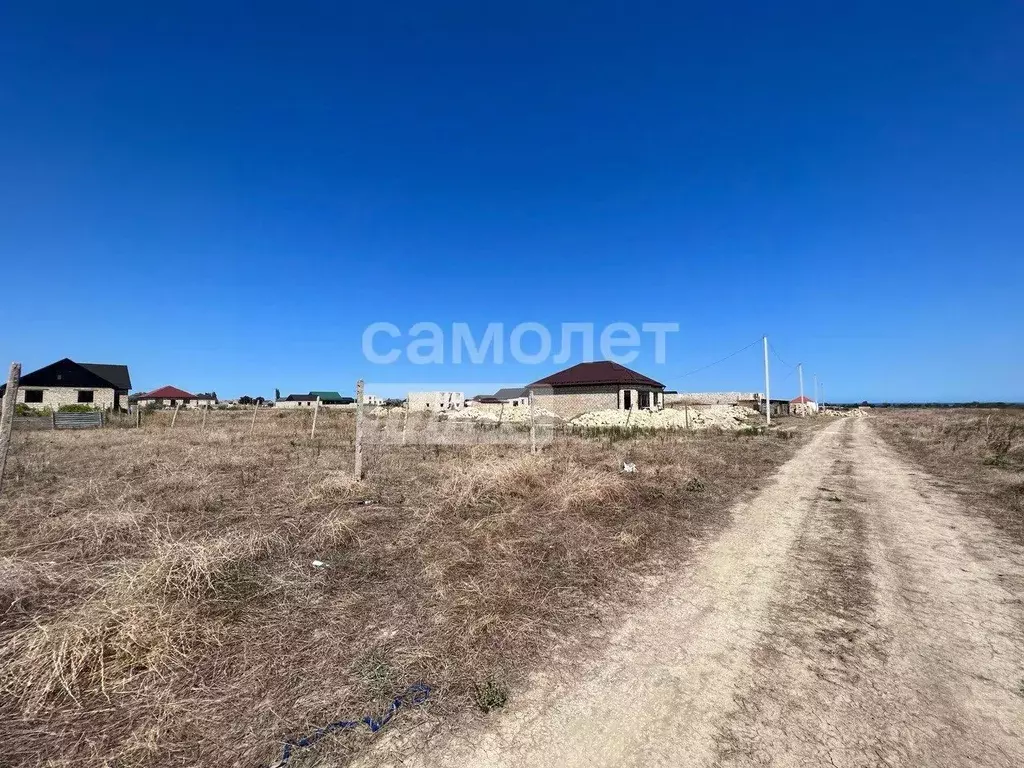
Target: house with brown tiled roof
{"type": "Point", "coordinates": [172, 397]}
{"type": "Point", "coordinates": [597, 386]}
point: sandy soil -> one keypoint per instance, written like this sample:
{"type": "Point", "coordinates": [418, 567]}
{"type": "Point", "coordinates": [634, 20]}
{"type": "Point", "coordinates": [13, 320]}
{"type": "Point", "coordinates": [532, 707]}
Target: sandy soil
{"type": "Point", "coordinates": [852, 614]}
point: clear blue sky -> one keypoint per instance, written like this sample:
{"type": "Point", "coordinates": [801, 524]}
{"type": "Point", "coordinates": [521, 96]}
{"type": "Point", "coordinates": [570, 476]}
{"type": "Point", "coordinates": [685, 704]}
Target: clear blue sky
{"type": "Point", "coordinates": [223, 195]}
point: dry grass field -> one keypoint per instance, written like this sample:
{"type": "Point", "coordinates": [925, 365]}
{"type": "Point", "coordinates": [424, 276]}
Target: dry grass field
{"type": "Point", "coordinates": [160, 606]}
{"type": "Point", "coordinates": [980, 451]}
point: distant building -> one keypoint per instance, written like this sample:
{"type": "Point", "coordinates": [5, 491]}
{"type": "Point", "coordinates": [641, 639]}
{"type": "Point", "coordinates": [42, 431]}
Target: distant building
{"type": "Point", "coordinates": [66, 382]}
{"type": "Point", "coordinates": [172, 397]}
{"type": "Point", "coordinates": [436, 401]}
{"type": "Point", "coordinates": [308, 400]}
{"type": "Point", "coordinates": [802, 406]}
{"type": "Point", "coordinates": [513, 396]}
{"type": "Point", "coordinates": [779, 407]}
{"type": "Point", "coordinates": [596, 386]}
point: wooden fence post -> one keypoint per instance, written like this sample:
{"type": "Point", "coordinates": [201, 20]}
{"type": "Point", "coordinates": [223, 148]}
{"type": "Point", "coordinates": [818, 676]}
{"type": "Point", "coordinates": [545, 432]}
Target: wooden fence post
{"type": "Point", "coordinates": [206, 410]}
{"type": "Point", "coordinates": [255, 410]}
{"type": "Point", "coordinates": [138, 415]}
{"type": "Point", "coordinates": [174, 418]}
{"type": "Point", "coordinates": [7, 416]}
{"type": "Point", "coordinates": [316, 410]}
{"type": "Point", "coordinates": [53, 419]}
{"type": "Point", "coordinates": [533, 427]}
{"type": "Point", "coordinates": [359, 430]}
{"type": "Point", "coordinates": [686, 412]}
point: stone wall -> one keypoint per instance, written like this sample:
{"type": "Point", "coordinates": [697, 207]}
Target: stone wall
{"type": "Point", "coordinates": [711, 398]}
{"type": "Point", "coordinates": [570, 402]}
{"type": "Point", "coordinates": [436, 401]}
{"type": "Point", "coordinates": [55, 397]}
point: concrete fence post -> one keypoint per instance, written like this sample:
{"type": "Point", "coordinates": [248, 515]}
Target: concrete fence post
{"type": "Point", "coordinates": [316, 410]}
{"type": "Point", "coordinates": [533, 426]}
{"type": "Point", "coordinates": [174, 418]}
{"type": "Point", "coordinates": [255, 410]}
{"type": "Point", "coordinates": [359, 430]}
{"type": "Point", "coordinates": [7, 416]}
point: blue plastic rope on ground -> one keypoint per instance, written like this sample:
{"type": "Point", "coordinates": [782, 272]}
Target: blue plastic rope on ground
{"type": "Point", "coordinates": [414, 695]}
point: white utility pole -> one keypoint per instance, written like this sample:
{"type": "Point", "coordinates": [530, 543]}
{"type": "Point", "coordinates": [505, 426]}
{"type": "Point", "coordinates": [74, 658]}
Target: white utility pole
{"type": "Point", "coordinates": [767, 388]}
{"type": "Point", "coordinates": [803, 405]}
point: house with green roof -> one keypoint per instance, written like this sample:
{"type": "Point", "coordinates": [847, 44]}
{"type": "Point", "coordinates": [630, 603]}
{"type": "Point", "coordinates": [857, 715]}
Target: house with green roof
{"type": "Point", "coordinates": [308, 400]}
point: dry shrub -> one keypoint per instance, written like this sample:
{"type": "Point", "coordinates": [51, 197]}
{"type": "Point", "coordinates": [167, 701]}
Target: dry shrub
{"type": "Point", "coordinates": [492, 481]}
{"type": "Point", "coordinates": [98, 650]}
{"type": "Point", "coordinates": [217, 568]}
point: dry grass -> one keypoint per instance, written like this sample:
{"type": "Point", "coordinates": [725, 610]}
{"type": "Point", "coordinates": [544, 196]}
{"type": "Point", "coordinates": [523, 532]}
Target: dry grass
{"type": "Point", "coordinates": [160, 606]}
{"type": "Point", "coordinates": [980, 450]}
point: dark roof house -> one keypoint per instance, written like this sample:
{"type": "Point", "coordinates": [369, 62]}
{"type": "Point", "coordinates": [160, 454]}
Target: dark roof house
{"type": "Point", "coordinates": [597, 386]}
{"type": "Point", "coordinates": [327, 397]}
{"type": "Point", "coordinates": [602, 372]}
{"type": "Point", "coordinates": [66, 382]}
{"type": "Point", "coordinates": [511, 393]}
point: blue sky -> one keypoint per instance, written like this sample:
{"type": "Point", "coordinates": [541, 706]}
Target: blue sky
{"type": "Point", "coordinates": [224, 195]}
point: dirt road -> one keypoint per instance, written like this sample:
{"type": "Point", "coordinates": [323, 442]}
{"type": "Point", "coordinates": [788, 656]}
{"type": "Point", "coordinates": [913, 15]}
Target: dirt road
{"type": "Point", "coordinates": [852, 614]}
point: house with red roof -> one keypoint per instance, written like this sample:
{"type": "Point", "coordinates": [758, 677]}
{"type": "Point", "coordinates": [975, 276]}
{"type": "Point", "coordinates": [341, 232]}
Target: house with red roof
{"type": "Point", "coordinates": [802, 406]}
{"type": "Point", "coordinates": [597, 386]}
{"type": "Point", "coordinates": [172, 397]}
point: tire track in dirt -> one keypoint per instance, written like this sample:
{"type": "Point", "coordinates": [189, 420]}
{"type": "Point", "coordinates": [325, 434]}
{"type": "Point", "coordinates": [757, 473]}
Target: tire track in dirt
{"type": "Point", "coordinates": [893, 640]}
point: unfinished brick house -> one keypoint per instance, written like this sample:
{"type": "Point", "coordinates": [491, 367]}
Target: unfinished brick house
{"type": "Point", "coordinates": [597, 386]}
{"type": "Point", "coordinates": [98, 385]}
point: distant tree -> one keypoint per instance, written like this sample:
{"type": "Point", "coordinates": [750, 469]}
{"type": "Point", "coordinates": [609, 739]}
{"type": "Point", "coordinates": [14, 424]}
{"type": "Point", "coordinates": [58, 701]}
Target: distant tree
{"type": "Point", "coordinates": [245, 400]}
{"type": "Point", "coordinates": [277, 394]}
{"type": "Point", "coordinates": [259, 400]}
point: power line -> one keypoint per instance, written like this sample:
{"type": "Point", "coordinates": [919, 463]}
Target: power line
{"type": "Point", "coordinates": [711, 365]}
{"type": "Point", "coordinates": [776, 353]}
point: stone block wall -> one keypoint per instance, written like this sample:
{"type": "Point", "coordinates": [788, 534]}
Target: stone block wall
{"type": "Point", "coordinates": [570, 402]}
{"type": "Point", "coordinates": [436, 401]}
{"type": "Point", "coordinates": [710, 398]}
{"type": "Point", "coordinates": [55, 397]}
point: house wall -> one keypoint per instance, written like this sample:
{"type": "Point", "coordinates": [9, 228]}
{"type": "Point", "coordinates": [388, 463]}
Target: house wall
{"type": "Point", "coordinates": [711, 398]}
{"type": "Point", "coordinates": [296, 404]}
{"type": "Point", "coordinates": [55, 397]}
{"type": "Point", "coordinates": [570, 402]}
{"type": "Point", "coordinates": [436, 401]}
{"type": "Point", "coordinates": [802, 409]}
{"type": "Point", "coordinates": [166, 403]}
